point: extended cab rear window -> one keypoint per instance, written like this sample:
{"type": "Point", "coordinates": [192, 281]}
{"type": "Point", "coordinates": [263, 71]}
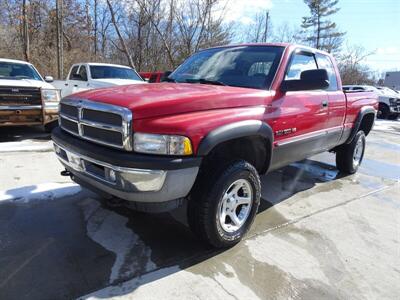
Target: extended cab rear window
{"type": "Point", "coordinates": [244, 66]}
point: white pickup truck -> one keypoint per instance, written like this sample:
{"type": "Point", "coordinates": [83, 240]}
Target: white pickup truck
{"type": "Point", "coordinates": [389, 100]}
{"type": "Point", "coordinates": [85, 76]}
{"type": "Point", "coordinates": [26, 98]}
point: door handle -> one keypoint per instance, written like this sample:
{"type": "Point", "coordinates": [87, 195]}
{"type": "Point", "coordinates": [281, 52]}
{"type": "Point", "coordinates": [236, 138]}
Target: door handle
{"type": "Point", "coordinates": [66, 84]}
{"type": "Point", "coordinates": [75, 85]}
{"type": "Point", "coordinates": [324, 103]}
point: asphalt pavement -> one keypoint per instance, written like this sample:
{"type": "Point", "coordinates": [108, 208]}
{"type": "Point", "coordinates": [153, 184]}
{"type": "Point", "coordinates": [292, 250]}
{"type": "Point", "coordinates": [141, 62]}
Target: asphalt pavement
{"type": "Point", "coordinates": [317, 235]}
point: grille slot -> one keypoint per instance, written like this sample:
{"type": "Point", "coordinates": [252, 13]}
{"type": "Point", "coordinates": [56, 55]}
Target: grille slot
{"type": "Point", "coordinates": [69, 125]}
{"type": "Point", "coordinates": [101, 117]}
{"type": "Point", "coordinates": [68, 110]}
{"type": "Point", "coordinates": [108, 136]}
{"type": "Point", "coordinates": [20, 96]}
{"type": "Point", "coordinates": [97, 122]}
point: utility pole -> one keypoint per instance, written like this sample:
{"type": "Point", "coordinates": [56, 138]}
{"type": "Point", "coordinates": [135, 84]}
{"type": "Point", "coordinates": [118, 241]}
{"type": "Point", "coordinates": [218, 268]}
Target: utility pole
{"type": "Point", "coordinates": [60, 48]}
{"type": "Point", "coordinates": [95, 27]}
{"type": "Point", "coordinates": [266, 27]}
{"type": "Point", "coordinates": [25, 31]}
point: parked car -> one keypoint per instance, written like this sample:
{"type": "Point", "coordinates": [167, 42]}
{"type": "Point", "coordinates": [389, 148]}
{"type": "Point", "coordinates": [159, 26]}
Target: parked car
{"type": "Point", "coordinates": [389, 100]}
{"type": "Point", "coordinates": [152, 77]}
{"type": "Point", "coordinates": [26, 98]}
{"type": "Point", "coordinates": [227, 115]}
{"type": "Point", "coordinates": [86, 76]}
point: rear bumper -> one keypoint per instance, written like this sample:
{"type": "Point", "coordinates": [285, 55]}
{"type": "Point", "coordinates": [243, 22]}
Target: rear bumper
{"type": "Point", "coordinates": [126, 175]}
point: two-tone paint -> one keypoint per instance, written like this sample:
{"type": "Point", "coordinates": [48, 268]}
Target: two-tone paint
{"type": "Point", "coordinates": [306, 121]}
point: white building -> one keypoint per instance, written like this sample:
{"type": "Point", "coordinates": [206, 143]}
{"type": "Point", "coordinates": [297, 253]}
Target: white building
{"type": "Point", "coordinates": [392, 80]}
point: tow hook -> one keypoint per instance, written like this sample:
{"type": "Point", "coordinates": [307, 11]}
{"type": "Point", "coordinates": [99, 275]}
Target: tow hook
{"type": "Point", "coordinates": [66, 173]}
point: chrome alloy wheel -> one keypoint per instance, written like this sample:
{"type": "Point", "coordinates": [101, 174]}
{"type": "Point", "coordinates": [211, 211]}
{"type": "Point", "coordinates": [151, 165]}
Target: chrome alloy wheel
{"type": "Point", "coordinates": [235, 206]}
{"type": "Point", "coordinates": [358, 153]}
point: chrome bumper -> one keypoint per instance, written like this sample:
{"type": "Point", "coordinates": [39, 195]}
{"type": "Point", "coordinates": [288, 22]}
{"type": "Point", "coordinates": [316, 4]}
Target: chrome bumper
{"type": "Point", "coordinates": [131, 184]}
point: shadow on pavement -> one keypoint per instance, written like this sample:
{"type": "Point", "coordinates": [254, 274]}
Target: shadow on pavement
{"type": "Point", "coordinates": [20, 133]}
{"type": "Point", "coordinates": [76, 245]}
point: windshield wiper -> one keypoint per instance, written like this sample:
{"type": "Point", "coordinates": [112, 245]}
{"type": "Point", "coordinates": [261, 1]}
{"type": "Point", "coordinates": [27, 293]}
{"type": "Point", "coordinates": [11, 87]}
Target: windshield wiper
{"type": "Point", "coordinates": [205, 81]}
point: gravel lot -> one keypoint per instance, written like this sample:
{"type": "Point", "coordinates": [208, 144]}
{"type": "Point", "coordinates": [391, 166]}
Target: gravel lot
{"type": "Point", "coordinates": [317, 234]}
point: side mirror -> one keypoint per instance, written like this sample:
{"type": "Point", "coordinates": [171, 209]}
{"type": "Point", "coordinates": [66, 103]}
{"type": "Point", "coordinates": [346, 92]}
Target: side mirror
{"type": "Point", "coordinates": [48, 78]}
{"type": "Point", "coordinates": [309, 80]}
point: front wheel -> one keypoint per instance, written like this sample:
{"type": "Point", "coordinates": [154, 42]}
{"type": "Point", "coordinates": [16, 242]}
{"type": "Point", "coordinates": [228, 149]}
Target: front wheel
{"type": "Point", "coordinates": [383, 111]}
{"type": "Point", "coordinates": [223, 209]}
{"type": "Point", "coordinates": [350, 156]}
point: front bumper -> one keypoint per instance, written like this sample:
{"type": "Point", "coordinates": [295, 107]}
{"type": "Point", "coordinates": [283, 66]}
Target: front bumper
{"type": "Point", "coordinates": [126, 175]}
{"type": "Point", "coordinates": [11, 115]}
{"type": "Point", "coordinates": [395, 108]}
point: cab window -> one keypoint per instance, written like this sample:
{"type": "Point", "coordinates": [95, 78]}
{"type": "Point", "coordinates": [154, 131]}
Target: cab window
{"type": "Point", "coordinates": [324, 62]}
{"type": "Point", "coordinates": [82, 73]}
{"type": "Point", "coordinates": [300, 62]}
{"type": "Point", "coordinates": [74, 71]}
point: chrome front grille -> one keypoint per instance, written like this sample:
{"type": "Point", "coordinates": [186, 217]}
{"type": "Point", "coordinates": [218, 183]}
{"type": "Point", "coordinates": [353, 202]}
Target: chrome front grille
{"type": "Point", "coordinates": [101, 123]}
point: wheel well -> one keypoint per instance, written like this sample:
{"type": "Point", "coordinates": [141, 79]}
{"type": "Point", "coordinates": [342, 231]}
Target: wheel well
{"type": "Point", "coordinates": [254, 149]}
{"type": "Point", "coordinates": [383, 104]}
{"type": "Point", "coordinates": [366, 123]}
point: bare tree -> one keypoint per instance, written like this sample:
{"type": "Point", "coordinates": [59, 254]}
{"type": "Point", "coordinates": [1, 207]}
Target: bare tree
{"type": "Point", "coordinates": [352, 66]}
{"type": "Point", "coordinates": [286, 34]}
{"type": "Point", "coordinates": [154, 18]}
{"type": "Point", "coordinates": [261, 30]}
{"type": "Point", "coordinates": [124, 49]}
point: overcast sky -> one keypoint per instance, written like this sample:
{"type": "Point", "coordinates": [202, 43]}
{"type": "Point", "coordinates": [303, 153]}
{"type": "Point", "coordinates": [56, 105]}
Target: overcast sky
{"type": "Point", "coordinates": [374, 24]}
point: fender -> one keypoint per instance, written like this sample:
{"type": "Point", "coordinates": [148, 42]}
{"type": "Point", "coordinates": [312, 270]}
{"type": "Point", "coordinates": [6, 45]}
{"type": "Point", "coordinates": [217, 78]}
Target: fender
{"type": "Point", "coordinates": [237, 130]}
{"type": "Point", "coordinates": [363, 112]}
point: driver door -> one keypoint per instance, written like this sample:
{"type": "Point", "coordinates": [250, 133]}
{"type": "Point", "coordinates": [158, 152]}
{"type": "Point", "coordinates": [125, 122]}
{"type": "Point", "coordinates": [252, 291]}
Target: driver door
{"type": "Point", "coordinates": [300, 128]}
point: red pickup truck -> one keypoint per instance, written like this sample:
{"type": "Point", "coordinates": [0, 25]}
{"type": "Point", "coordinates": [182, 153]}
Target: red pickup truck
{"type": "Point", "coordinates": [226, 115]}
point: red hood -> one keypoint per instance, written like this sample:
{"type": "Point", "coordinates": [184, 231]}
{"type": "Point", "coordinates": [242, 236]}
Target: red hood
{"type": "Point", "coordinates": [156, 99]}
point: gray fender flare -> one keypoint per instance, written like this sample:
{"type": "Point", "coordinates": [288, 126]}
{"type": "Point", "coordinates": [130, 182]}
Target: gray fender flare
{"type": "Point", "coordinates": [363, 112]}
{"type": "Point", "coordinates": [237, 130]}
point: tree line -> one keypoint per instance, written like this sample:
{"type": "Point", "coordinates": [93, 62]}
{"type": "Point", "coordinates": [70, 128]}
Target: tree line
{"type": "Point", "coordinates": [152, 35]}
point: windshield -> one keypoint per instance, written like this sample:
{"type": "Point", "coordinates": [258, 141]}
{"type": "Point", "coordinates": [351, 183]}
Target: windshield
{"type": "Point", "coordinates": [245, 66]}
{"type": "Point", "coordinates": [100, 72]}
{"type": "Point", "coordinates": [14, 71]}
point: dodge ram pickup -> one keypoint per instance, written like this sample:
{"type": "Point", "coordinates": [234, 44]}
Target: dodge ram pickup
{"type": "Point", "coordinates": [227, 115]}
{"type": "Point", "coordinates": [87, 76]}
{"type": "Point", "coordinates": [26, 98]}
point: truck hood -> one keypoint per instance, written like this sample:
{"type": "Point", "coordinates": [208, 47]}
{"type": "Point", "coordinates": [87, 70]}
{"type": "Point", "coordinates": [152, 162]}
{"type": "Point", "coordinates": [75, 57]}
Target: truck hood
{"type": "Point", "coordinates": [110, 81]}
{"type": "Point", "coordinates": [26, 83]}
{"type": "Point", "coordinates": [157, 99]}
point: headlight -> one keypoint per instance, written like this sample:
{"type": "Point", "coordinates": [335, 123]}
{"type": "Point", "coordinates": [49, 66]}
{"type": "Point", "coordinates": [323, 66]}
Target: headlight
{"type": "Point", "coordinates": [162, 144]}
{"type": "Point", "coordinates": [50, 95]}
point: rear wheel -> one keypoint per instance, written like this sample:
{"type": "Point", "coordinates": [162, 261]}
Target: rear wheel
{"type": "Point", "coordinates": [350, 156]}
{"type": "Point", "coordinates": [222, 208]}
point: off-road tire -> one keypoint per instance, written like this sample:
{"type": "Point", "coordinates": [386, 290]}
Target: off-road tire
{"type": "Point", "coordinates": [205, 197]}
{"type": "Point", "coordinates": [345, 155]}
{"type": "Point", "coordinates": [383, 111]}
